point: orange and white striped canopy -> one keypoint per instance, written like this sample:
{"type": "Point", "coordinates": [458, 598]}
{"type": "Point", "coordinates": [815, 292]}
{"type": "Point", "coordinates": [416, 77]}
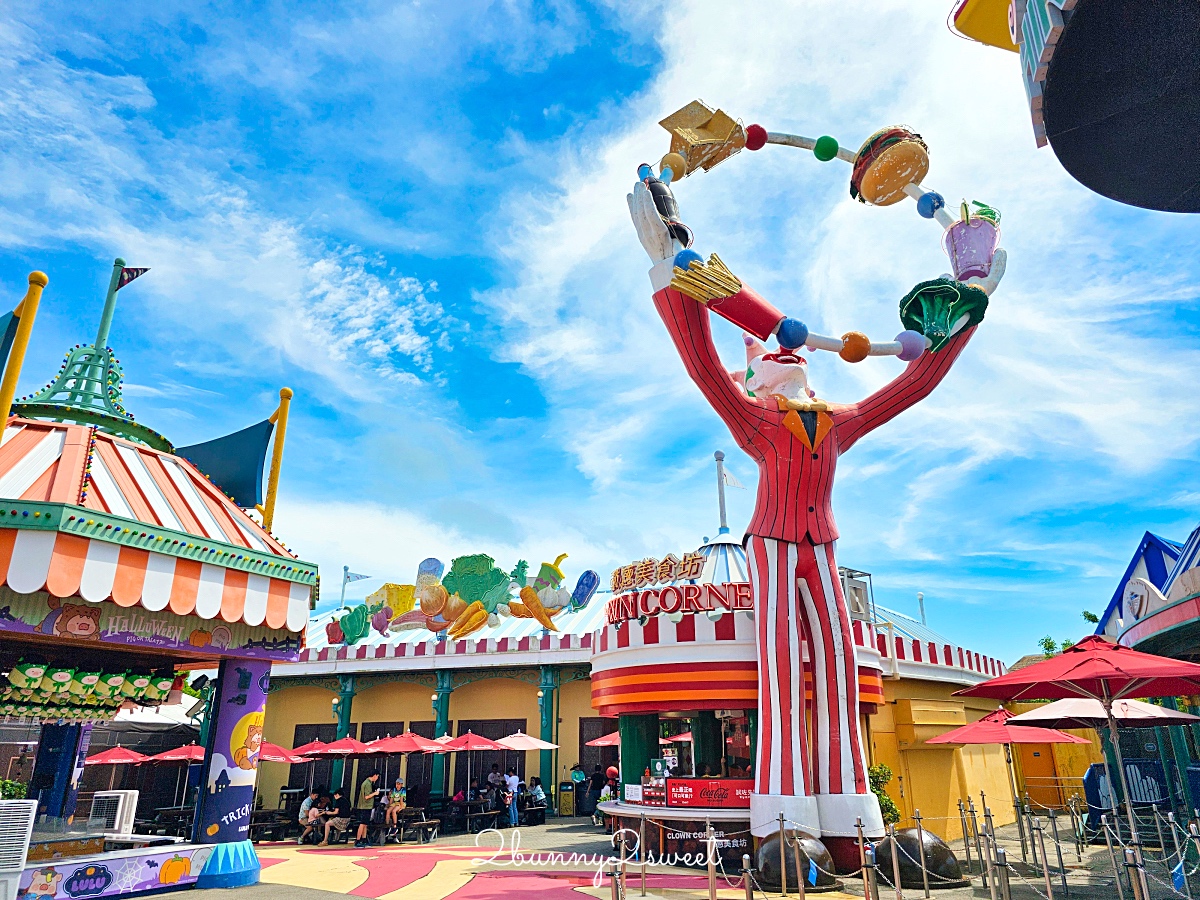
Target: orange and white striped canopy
{"type": "Point", "coordinates": [85, 513]}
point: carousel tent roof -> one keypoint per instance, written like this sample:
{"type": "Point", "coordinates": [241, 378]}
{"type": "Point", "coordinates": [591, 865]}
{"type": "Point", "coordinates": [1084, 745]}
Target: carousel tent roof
{"type": "Point", "coordinates": [724, 560]}
{"type": "Point", "coordinates": [106, 518]}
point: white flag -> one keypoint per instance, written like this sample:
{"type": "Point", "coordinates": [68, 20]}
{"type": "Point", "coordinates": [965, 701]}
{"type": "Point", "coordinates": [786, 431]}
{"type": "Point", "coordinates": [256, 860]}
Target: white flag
{"type": "Point", "coordinates": [352, 576]}
{"type": "Point", "coordinates": [731, 481]}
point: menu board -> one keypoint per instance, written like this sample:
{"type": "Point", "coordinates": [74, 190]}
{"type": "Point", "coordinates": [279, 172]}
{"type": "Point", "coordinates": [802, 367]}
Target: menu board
{"type": "Point", "coordinates": [710, 793]}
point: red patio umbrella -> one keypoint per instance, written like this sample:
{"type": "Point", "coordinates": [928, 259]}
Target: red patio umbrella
{"type": "Point", "coordinates": [994, 729]}
{"type": "Point", "coordinates": [404, 743]}
{"type": "Point", "coordinates": [116, 756]}
{"type": "Point", "coordinates": [471, 741]}
{"type": "Point", "coordinates": [268, 752]}
{"type": "Point", "coordinates": [305, 748]}
{"type": "Point", "coordinates": [189, 753]}
{"type": "Point", "coordinates": [1104, 671]}
{"type": "Point", "coordinates": [347, 746]}
{"type": "Point", "coordinates": [614, 740]}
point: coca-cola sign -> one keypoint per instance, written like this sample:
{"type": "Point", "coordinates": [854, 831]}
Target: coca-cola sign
{"type": "Point", "coordinates": [710, 793]}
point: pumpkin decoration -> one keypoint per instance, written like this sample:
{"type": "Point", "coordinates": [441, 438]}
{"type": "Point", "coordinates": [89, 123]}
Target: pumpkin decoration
{"type": "Point", "coordinates": [175, 869]}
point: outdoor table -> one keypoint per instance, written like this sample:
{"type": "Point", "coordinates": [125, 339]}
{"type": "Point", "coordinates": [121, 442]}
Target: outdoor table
{"type": "Point", "coordinates": [290, 796]}
{"type": "Point", "coordinates": [463, 809]}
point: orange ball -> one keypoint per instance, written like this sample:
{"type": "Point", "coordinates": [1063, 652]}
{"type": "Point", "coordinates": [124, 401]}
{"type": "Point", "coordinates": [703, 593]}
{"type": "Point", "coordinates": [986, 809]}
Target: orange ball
{"type": "Point", "coordinates": [856, 346]}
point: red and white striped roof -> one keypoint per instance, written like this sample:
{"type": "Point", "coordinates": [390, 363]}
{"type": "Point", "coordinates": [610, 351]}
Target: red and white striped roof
{"type": "Point", "coordinates": [79, 465]}
{"type": "Point", "coordinates": [84, 513]}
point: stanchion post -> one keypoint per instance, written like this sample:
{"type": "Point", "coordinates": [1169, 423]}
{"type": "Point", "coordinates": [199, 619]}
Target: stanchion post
{"type": "Point", "coordinates": [990, 878]}
{"type": "Point", "coordinates": [962, 814]}
{"type": "Point", "coordinates": [1002, 874]}
{"type": "Point", "coordinates": [858, 826]}
{"type": "Point", "coordinates": [1040, 841]}
{"type": "Point", "coordinates": [710, 858]}
{"type": "Point", "coordinates": [621, 831]}
{"type": "Point", "coordinates": [1062, 869]}
{"type": "Point", "coordinates": [870, 880]}
{"type": "Point", "coordinates": [1187, 888]}
{"type": "Point", "coordinates": [642, 848]}
{"type": "Point", "coordinates": [801, 874]}
{"type": "Point", "coordinates": [921, 851]}
{"type": "Point", "coordinates": [615, 874]}
{"type": "Point", "coordinates": [1027, 813]}
{"type": "Point", "coordinates": [891, 831]}
{"type": "Point", "coordinates": [747, 877]}
{"type": "Point", "coordinates": [782, 861]}
{"type": "Point", "coordinates": [1112, 856]}
{"type": "Point", "coordinates": [978, 844]}
{"type": "Point", "coordinates": [1162, 845]}
{"type": "Point", "coordinates": [1131, 869]}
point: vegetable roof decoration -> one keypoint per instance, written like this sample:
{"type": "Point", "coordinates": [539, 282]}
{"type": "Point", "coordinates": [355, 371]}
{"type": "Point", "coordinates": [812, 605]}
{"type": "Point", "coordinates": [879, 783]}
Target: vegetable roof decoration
{"type": "Point", "coordinates": [477, 577]}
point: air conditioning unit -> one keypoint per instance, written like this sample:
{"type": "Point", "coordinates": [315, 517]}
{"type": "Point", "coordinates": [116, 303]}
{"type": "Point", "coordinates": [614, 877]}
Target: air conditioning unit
{"type": "Point", "coordinates": [113, 812]}
{"type": "Point", "coordinates": [16, 827]}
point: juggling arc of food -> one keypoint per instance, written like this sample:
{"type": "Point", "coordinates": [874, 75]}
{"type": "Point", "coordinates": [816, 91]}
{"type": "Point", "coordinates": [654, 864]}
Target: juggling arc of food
{"type": "Point", "coordinates": [473, 594]}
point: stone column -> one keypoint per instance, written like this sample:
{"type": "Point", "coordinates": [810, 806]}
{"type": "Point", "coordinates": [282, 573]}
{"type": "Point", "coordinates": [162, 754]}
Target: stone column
{"type": "Point", "coordinates": [441, 727]}
{"type": "Point", "coordinates": [346, 691]}
{"type": "Point", "coordinates": [707, 747]}
{"type": "Point", "coordinates": [548, 687]}
{"type": "Point", "coordinates": [639, 745]}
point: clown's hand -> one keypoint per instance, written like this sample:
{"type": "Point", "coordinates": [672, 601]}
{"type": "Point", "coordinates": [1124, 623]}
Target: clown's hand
{"type": "Point", "coordinates": [651, 229]}
{"type": "Point", "coordinates": [989, 284]}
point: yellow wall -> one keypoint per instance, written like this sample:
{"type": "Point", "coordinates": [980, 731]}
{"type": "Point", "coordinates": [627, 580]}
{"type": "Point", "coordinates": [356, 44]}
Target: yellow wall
{"type": "Point", "coordinates": [492, 698]}
{"type": "Point", "coordinates": [932, 779]}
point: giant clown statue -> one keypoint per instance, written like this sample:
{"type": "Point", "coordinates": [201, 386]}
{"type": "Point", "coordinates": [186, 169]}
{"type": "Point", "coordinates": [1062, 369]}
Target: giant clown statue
{"type": "Point", "coordinates": [811, 763]}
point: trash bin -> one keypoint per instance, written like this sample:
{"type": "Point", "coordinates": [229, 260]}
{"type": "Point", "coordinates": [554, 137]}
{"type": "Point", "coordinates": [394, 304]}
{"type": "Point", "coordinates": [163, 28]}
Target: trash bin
{"type": "Point", "coordinates": [566, 799]}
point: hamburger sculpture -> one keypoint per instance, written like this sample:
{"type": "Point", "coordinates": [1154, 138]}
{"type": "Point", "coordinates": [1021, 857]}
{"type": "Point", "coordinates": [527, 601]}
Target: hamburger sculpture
{"type": "Point", "coordinates": [889, 166]}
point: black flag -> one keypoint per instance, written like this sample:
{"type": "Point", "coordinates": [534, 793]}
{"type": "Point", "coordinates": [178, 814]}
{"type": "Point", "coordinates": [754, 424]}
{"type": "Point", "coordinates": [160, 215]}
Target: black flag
{"type": "Point", "coordinates": [235, 462]}
{"type": "Point", "coordinates": [127, 275]}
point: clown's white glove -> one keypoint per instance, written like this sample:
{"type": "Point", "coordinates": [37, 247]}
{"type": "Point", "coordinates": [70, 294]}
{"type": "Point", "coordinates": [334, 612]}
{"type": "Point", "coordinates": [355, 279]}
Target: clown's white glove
{"type": "Point", "coordinates": [988, 285]}
{"type": "Point", "coordinates": [652, 232]}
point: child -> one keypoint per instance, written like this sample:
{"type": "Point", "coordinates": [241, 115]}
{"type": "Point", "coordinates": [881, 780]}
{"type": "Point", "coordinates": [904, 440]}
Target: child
{"type": "Point", "coordinates": [395, 804]}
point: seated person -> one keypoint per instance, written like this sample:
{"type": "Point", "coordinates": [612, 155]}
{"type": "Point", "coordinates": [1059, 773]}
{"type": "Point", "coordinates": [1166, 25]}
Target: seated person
{"type": "Point", "coordinates": [395, 800]}
{"type": "Point", "coordinates": [473, 790]}
{"type": "Point", "coordinates": [305, 817]}
{"type": "Point", "coordinates": [337, 816]}
{"type": "Point", "coordinates": [537, 792]}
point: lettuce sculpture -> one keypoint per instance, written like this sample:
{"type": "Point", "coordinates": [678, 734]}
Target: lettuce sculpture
{"type": "Point", "coordinates": [933, 307]}
{"type": "Point", "coordinates": [477, 577]}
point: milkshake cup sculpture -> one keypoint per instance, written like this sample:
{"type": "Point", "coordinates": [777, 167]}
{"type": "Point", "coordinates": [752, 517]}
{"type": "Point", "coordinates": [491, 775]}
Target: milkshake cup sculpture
{"type": "Point", "coordinates": [972, 241]}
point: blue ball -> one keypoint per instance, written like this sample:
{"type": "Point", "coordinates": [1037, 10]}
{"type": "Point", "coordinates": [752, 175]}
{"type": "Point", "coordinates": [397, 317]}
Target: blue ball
{"type": "Point", "coordinates": [792, 333]}
{"type": "Point", "coordinates": [644, 172]}
{"type": "Point", "coordinates": [684, 258]}
{"type": "Point", "coordinates": [929, 203]}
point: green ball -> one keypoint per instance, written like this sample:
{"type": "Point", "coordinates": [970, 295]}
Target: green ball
{"type": "Point", "coordinates": [826, 148]}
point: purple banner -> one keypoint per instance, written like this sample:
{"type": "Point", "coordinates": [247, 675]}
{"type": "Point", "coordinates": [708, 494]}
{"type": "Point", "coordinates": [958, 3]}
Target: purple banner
{"type": "Point", "coordinates": [136, 626]}
{"type": "Point", "coordinates": [113, 874]}
{"type": "Point", "coordinates": [234, 738]}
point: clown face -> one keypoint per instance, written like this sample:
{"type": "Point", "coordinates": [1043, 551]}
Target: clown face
{"type": "Point", "coordinates": [780, 373]}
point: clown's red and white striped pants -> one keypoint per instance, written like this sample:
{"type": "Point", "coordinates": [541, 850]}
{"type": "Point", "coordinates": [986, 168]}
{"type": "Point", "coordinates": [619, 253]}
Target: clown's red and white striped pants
{"type": "Point", "coordinates": [798, 595]}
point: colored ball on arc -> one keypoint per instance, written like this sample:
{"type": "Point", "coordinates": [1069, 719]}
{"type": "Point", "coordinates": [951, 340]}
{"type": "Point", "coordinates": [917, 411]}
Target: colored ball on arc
{"type": "Point", "coordinates": [929, 203]}
{"type": "Point", "coordinates": [856, 346]}
{"type": "Point", "coordinates": [826, 148]}
{"type": "Point", "coordinates": [792, 333]}
{"type": "Point", "coordinates": [912, 345]}
{"type": "Point", "coordinates": [676, 163]}
{"type": "Point", "coordinates": [684, 258]}
{"type": "Point", "coordinates": [756, 137]}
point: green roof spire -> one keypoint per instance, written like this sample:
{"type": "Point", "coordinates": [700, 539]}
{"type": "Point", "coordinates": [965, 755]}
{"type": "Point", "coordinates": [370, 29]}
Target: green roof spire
{"type": "Point", "coordinates": [87, 389]}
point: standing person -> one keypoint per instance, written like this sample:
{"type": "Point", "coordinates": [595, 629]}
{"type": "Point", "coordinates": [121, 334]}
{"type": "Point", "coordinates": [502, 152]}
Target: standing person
{"type": "Point", "coordinates": [362, 809]}
{"type": "Point", "coordinates": [578, 779]}
{"type": "Point", "coordinates": [512, 786]}
{"type": "Point", "coordinates": [796, 439]}
{"type": "Point", "coordinates": [595, 785]}
{"type": "Point", "coordinates": [337, 815]}
{"type": "Point", "coordinates": [306, 822]}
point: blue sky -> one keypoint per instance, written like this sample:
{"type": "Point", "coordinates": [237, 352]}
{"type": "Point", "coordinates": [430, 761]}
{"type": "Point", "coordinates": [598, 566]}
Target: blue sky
{"type": "Point", "coordinates": [414, 215]}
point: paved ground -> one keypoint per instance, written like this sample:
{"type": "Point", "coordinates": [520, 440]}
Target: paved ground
{"type": "Point", "coordinates": [454, 867]}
